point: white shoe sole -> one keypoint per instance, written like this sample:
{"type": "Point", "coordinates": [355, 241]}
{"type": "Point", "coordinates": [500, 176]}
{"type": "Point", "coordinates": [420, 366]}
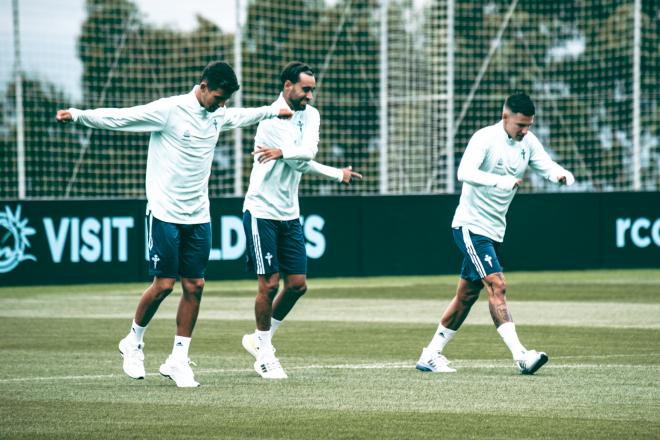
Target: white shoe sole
{"type": "Point", "coordinates": [541, 362]}
{"type": "Point", "coordinates": [165, 372]}
{"type": "Point", "coordinates": [427, 369]}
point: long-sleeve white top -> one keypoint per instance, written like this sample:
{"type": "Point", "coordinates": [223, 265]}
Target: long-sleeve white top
{"type": "Point", "coordinates": [489, 169]}
{"type": "Point", "coordinates": [273, 190]}
{"type": "Point", "coordinates": [181, 146]}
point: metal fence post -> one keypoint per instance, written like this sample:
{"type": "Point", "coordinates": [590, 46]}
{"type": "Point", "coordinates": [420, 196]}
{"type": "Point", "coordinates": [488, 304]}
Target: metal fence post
{"type": "Point", "coordinates": [238, 133]}
{"type": "Point", "coordinates": [383, 126]}
{"type": "Point", "coordinates": [637, 72]}
{"type": "Point", "coordinates": [20, 124]}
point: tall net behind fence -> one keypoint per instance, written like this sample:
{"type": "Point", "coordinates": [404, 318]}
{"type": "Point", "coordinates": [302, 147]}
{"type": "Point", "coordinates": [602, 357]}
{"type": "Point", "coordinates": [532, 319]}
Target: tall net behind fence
{"type": "Point", "coordinates": [341, 44]}
{"type": "Point", "coordinates": [418, 157]}
{"type": "Point", "coordinates": [122, 61]}
{"type": "Point", "coordinates": [399, 107]}
{"type": "Point", "coordinates": [576, 60]}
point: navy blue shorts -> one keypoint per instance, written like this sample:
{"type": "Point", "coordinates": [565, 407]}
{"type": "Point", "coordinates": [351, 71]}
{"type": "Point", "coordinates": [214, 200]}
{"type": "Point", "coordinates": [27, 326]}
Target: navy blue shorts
{"type": "Point", "coordinates": [178, 250]}
{"type": "Point", "coordinates": [274, 246]}
{"type": "Point", "coordinates": [480, 254]}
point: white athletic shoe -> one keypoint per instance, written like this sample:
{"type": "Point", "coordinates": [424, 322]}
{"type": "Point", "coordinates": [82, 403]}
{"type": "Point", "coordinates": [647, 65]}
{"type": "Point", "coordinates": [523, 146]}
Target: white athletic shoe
{"type": "Point", "coordinates": [133, 358]}
{"type": "Point", "coordinates": [434, 362]}
{"type": "Point", "coordinates": [531, 362]}
{"type": "Point", "coordinates": [268, 366]}
{"type": "Point", "coordinates": [179, 371]}
{"type": "Point", "coordinates": [250, 344]}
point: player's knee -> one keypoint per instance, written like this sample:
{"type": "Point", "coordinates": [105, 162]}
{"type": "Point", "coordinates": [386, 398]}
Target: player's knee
{"type": "Point", "coordinates": [468, 292]}
{"type": "Point", "coordinates": [163, 287]}
{"type": "Point", "coordinates": [469, 297]}
{"type": "Point", "coordinates": [193, 287]}
{"type": "Point", "coordinates": [195, 283]}
{"type": "Point", "coordinates": [498, 287]}
{"type": "Point", "coordinates": [298, 288]}
{"type": "Point", "coordinates": [269, 288]}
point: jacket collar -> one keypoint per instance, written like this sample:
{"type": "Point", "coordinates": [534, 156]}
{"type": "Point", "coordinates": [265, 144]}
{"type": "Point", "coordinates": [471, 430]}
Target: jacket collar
{"type": "Point", "coordinates": [508, 139]}
{"type": "Point", "coordinates": [280, 102]}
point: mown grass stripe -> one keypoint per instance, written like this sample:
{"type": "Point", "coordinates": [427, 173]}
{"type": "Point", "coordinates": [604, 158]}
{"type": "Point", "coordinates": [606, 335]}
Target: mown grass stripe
{"type": "Point", "coordinates": [459, 363]}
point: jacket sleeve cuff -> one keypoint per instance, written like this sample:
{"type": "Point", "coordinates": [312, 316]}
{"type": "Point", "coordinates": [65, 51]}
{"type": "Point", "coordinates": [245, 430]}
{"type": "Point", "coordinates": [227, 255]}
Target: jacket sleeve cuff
{"type": "Point", "coordinates": [75, 114]}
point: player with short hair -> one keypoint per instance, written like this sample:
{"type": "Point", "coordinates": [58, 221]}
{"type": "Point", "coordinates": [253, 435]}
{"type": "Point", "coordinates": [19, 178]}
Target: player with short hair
{"type": "Point", "coordinates": [492, 168]}
{"type": "Point", "coordinates": [284, 150]}
{"type": "Point", "coordinates": [184, 132]}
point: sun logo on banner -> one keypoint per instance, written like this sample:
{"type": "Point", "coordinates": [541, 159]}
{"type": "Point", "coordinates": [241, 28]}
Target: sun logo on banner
{"type": "Point", "coordinates": [14, 234]}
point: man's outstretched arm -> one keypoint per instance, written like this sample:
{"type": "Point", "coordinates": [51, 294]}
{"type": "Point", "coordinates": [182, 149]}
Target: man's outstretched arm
{"type": "Point", "coordinates": [141, 118]}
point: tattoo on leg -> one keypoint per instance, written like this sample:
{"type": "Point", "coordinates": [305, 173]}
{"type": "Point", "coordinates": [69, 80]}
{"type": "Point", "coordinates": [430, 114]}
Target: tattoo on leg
{"type": "Point", "coordinates": [500, 314]}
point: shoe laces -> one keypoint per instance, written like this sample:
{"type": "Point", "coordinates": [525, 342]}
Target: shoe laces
{"type": "Point", "coordinates": [185, 363]}
{"type": "Point", "coordinates": [135, 352]}
{"type": "Point", "coordinates": [267, 352]}
{"type": "Point", "coordinates": [183, 367]}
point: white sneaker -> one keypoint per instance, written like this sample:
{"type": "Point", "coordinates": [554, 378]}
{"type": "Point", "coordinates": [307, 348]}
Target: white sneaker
{"type": "Point", "coordinates": [250, 344]}
{"type": "Point", "coordinates": [531, 362]}
{"type": "Point", "coordinates": [179, 371]}
{"type": "Point", "coordinates": [133, 358]}
{"type": "Point", "coordinates": [268, 366]}
{"type": "Point", "coordinates": [434, 362]}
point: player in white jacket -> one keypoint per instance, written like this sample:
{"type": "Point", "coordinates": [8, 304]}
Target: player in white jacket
{"type": "Point", "coordinates": [184, 132]}
{"type": "Point", "coordinates": [284, 150]}
{"type": "Point", "coordinates": [492, 168]}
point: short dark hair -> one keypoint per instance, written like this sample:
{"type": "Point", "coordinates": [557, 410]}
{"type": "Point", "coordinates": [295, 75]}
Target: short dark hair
{"type": "Point", "coordinates": [293, 70]}
{"type": "Point", "coordinates": [220, 75]}
{"type": "Point", "coordinates": [519, 102]}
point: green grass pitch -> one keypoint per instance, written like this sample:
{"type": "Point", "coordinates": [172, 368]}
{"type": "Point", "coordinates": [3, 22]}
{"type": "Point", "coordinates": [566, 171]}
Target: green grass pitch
{"type": "Point", "coordinates": [349, 348]}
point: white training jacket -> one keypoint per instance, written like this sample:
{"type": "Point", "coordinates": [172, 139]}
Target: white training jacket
{"type": "Point", "coordinates": [273, 190]}
{"type": "Point", "coordinates": [181, 147]}
{"type": "Point", "coordinates": [489, 169]}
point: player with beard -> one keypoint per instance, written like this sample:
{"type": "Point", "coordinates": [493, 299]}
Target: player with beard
{"type": "Point", "coordinates": [284, 150]}
{"type": "Point", "coordinates": [184, 133]}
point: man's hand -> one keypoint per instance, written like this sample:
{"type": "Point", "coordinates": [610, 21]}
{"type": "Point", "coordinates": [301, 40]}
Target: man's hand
{"type": "Point", "coordinates": [63, 116]}
{"type": "Point", "coordinates": [507, 182]}
{"type": "Point", "coordinates": [349, 174]}
{"type": "Point", "coordinates": [567, 180]}
{"type": "Point", "coordinates": [285, 113]}
{"type": "Point", "coordinates": [265, 154]}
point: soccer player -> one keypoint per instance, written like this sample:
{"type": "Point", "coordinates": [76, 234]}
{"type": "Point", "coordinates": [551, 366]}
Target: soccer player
{"type": "Point", "coordinates": [184, 131]}
{"type": "Point", "coordinates": [492, 168]}
{"type": "Point", "coordinates": [284, 150]}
